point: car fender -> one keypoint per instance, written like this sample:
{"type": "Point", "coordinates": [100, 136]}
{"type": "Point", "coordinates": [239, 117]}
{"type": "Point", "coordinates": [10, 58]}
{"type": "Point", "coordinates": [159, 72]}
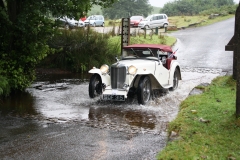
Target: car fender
{"type": "Point", "coordinates": [105, 77]}
{"type": "Point", "coordinates": [174, 65]}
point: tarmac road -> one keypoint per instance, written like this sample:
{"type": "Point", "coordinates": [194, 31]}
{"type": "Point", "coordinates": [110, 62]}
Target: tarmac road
{"type": "Point", "coordinates": [204, 47]}
{"type": "Point", "coordinates": [63, 123]}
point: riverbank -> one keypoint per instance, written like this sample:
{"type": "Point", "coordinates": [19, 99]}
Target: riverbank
{"type": "Point", "coordinates": [206, 126]}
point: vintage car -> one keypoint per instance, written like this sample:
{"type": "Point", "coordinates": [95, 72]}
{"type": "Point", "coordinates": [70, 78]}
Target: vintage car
{"type": "Point", "coordinates": [141, 69]}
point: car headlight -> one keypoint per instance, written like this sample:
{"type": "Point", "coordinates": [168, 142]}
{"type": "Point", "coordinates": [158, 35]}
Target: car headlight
{"type": "Point", "coordinates": [104, 68]}
{"type": "Point", "coordinates": [132, 70]}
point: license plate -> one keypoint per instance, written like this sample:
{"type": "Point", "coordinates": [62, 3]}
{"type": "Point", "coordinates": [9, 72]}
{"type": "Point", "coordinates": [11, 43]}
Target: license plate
{"type": "Point", "coordinates": [113, 97]}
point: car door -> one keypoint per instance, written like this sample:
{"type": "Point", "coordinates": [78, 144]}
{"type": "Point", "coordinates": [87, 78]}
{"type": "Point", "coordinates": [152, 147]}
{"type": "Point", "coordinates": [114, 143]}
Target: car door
{"type": "Point", "coordinates": [96, 20]}
{"type": "Point", "coordinates": [153, 22]}
{"type": "Point", "coordinates": [160, 20]}
{"type": "Point", "coordinates": [162, 74]}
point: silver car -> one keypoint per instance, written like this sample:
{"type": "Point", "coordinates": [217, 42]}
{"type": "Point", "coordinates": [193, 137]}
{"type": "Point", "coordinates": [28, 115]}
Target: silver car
{"type": "Point", "coordinates": [154, 21]}
{"type": "Point", "coordinates": [95, 20]}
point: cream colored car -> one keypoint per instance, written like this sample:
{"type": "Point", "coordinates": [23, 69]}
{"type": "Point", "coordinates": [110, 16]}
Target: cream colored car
{"type": "Point", "coordinates": [141, 69]}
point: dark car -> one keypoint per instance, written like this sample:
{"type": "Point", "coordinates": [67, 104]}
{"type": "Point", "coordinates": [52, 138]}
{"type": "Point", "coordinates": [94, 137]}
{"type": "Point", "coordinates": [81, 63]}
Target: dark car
{"type": "Point", "coordinates": [134, 20]}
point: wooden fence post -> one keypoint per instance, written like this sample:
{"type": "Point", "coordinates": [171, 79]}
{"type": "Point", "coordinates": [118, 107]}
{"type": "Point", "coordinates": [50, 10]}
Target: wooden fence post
{"type": "Point", "coordinates": [234, 45]}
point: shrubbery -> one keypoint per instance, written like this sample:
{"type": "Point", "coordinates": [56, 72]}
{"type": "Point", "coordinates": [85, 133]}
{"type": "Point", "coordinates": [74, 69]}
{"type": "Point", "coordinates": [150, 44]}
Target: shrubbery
{"type": "Point", "coordinates": [4, 86]}
{"type": "Point", "coordinates": [81, 49]}
{"type": "Point", "coordinates": [223, 10]}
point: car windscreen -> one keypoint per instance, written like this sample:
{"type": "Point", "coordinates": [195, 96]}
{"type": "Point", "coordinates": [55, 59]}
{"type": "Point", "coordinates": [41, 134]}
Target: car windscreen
{"type": "Point", "coordinates": [148, 18]}
{"type": "Point", "coordinates": [139, 53]}
{"type": "Point", "coordinates": [136, 18]}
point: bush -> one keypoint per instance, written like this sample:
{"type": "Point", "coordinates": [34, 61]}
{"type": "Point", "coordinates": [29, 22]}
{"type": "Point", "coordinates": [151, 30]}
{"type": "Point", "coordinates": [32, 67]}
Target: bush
{"type": "Point", "coordinates": [223, 10]}
{"type": "Point", "coordinates": [4, 86]}
{"type": "Point", "coordinates": [81, 49]}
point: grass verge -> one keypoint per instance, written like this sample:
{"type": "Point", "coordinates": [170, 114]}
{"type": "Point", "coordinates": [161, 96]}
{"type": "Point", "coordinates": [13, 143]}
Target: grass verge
{"type": "Point", "coordinates": [154, 39]}
{"type": "Point", "coordinates": [206, 126]}
{"type": "Point", "coordinates": [185, 21]}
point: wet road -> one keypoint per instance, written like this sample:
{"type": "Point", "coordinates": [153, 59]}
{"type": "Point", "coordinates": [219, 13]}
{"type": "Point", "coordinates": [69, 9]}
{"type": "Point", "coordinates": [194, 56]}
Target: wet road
{"type": "Point", "coordinates": [204, 47]}
{"type": "Point", "coordinates": [55, 119]}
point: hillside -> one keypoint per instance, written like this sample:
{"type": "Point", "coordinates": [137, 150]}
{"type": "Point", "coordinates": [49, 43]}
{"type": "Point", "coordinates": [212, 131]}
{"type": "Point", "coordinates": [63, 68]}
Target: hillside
{"type": "Point", "coordinates": [97, 10]}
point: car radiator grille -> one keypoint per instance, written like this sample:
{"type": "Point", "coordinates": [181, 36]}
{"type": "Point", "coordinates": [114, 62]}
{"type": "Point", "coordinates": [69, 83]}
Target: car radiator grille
{"type": "Point", "coordinates": [118, 76]}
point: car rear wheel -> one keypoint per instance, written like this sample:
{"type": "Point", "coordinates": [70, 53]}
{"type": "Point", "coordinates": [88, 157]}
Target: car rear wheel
{"type": "Point", "coordinates": [146, 27]}
{"type": "Point", "coordinates": [144, 90]}
{"type": "Point", "coordinates": [95, 86]}
{"type": "Point", "coordinates": [175, 80]}
{"type": "Point", "coordinates": [165, 25]}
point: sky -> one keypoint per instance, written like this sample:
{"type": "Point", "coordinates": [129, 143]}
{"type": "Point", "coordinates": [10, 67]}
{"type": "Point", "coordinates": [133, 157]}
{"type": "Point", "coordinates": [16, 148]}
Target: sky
{"type": "Point", "coordinates": [160, 3]}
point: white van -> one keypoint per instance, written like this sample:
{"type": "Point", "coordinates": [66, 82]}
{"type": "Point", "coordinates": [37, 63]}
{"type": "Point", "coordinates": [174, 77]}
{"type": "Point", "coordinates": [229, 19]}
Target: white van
{"type": "Point", "coordinates": [95, 20]}
{"type": "Point", "coordinates": [153, 21]}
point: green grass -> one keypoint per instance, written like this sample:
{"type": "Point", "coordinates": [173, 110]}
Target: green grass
{"type": "Point", "coordinates": [155, 39]}
{"type": "Point", "coordinates": [218, 137]}
{"type": "Point", "coordinates": [185, 21]}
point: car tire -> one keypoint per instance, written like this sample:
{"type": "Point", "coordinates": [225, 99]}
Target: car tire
{"type": "Point", "coordinates": [175, 80]}
{"type": "Point", "coordinates": [95, 86]}
{"type": "Point", "coordinates": [94, 25]}
{"type": "Point", "coordinates": [103, 24]}
{"type": "Point", "coordinates": [144, 90]}
{"type": "Point", "coordinates": [165, 25]}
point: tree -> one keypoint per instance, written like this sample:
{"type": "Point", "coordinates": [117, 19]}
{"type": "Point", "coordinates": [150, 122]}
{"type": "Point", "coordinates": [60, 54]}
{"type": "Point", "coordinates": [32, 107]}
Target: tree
{"type": "Point", "coordinates": [128, 8]}
{"type": "Point", "coordinates": [25, 28]}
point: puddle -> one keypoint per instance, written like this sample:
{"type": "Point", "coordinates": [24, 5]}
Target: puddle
{"type": "Point", "coordinates": [66, 100]}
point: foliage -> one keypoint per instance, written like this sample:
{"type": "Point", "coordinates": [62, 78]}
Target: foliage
{"type": "Point", "coordinates": [4, 86]}
{"type": "Point", "coordinates": [192, 7]}
{"type": "Point", "coordinates": [95, 10]}
{"type": "Point", "coordinates": [26, 27]}
{"type": "Point", "coordinates": [156, 10]}
{"type": "Point", "coordinates": [128, 8]}
{"type": "Point", "coordinates": [223, 10]}
{"type": "Point", "coordinates": [200, 20]}
{"type": "Point", "coordinates": [206, 126]}
{"type": "Point", "coordinates": [80, 50]}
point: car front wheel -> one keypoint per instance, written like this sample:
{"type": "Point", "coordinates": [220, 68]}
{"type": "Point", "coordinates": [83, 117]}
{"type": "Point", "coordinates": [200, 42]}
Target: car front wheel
{"type": "Point", "coordinates": [175, 80]}
{"type": "Point", "coordinates": [95, 86]}
{"type": "Point", "coordinates": [144, 90]}
{"type": "Point", "coordinates": [103, 25]}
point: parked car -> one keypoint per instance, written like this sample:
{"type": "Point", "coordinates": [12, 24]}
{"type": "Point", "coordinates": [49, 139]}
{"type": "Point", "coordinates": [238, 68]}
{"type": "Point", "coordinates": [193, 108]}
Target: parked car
{"type": "Point", "coordinates": [70, 23]}
{"type": "Point", "coordinates": [95, 20]}
{"type": "Point", "coordinates": [134, 20]}
{"type": "Point", "coordinates": [83, 18]}
{"type": "Point", "coordinates": [128, 76]}
{"type": "Point", "coordinates": [153, 21]}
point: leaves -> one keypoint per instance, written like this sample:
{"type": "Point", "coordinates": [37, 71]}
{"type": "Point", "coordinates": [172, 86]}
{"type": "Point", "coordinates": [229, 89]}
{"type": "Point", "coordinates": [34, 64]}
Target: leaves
{"type": "Point", "coordinates": [193, 7]}
{"type": "Point", "coordinates": [128, 8]}
{"type": "Point", "coordinates": [26, 27]}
